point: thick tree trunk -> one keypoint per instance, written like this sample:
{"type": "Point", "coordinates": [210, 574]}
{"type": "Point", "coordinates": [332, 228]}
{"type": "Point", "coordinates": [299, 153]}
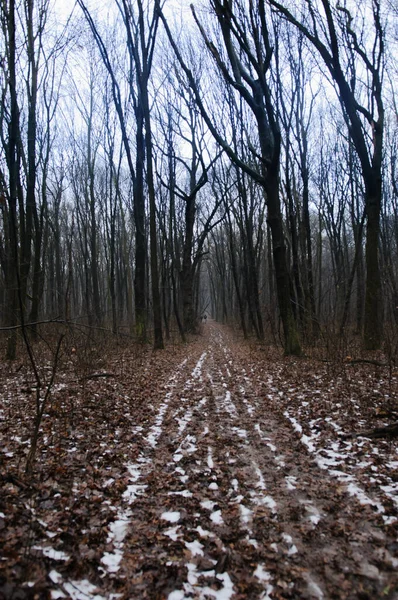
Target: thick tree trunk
{"type": "Point", "coordinates": [156, 298]}
{"type": "Point", "coordinates": [12, 163]}
{"type": "Point", "coordinates": [292, 342]}
{"type": "Point", "coordinates": [373, 312]}
{"type": "Point", "coordinates": [30, 212]}
{"type": "Point", "coordinates": [270, 148]}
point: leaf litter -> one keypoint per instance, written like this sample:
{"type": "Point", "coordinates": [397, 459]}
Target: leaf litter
{"type": "Point", "coordinates": [220, 470]}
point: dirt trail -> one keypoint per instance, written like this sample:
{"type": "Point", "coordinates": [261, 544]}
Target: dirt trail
{"type": "Point", "coordinates": [223, 500]}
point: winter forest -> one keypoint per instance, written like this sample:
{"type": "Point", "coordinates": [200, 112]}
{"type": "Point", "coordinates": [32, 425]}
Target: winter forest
{"type": "Point", "coordinates": [159, 164]}
{"type": "Point", "coordinates": [198, 280]}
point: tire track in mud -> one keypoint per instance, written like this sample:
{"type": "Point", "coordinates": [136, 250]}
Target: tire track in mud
{"type": "Point", "coordinates": [312, 513]}
{"type": "Point", "coordinates": [224, 502]}
{"type": "Point", "coordinates": [225, 518]}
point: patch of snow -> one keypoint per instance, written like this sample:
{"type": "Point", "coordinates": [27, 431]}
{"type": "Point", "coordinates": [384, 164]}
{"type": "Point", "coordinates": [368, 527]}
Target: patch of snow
{"type": "Point", "coordinates": [208, 504]}
{"type": "Point", "coordinates": [238, 499]}
{"type": "Point", "coordinates": [132, 492]}
{"type": "Point", "coordinates": [225, 592]}
{"type": "Point", "coordinates": [314, 588]}
{"type": "Point", "coordinates": [171, 516]}
{"type": "Point", "coordinates": [210, 461]}
{"type": "Point", "coordinates": [314, 514]}
{"type": "Point", "coordinates": [260, 498]}
{"type": "Point", "coordinates": [289, 541]}
{"type": "Point", "coordinates": [261, 573]}
{"type": "Point", "coordinates": [354, 490]}
{"type": "Point", "coordinates": [55, 576]}
{"type": "Point", "coordinates": [176, 595]}
{"type": "Point", "coordinates": [203, 532]}
{"type": "Point", "coordinates": [229, 405]}
{"type": "Point", "coordinates": [197, 372]}
{"type": "Point", "coordinates": [261, 483]}
{"type": "Point", "coordinates": [263, 576]}
{"type": "Point", "coordinates": [82, 590]}
{"type": "Point", "coordinates": [391, 491]}
{"type": "Point", "coordinates": [195, 547]}
{"type": "Point", "coordinates": [118, 528]}
{"type": "Point", "coordinates": [242, 433]}
{"type": "Point", "coordinates": [246, 513]}
{"type": "Point", "coordinates": [306, 440]}
{"type": "Point", "coordinates": [187, 446]}
{"type": "Point", "coordinates": [51, 553]}
{"type": "Point", "coordinates": [113, 559]}
{"type": "Point", "coordinates": [216, 517]}
{"type": "Point", "coordinates": [184, 494]}
{"type": "Point", "coordinates": [389, 520]}
{"type": "Point", "coordinates": [332, 460]}
{"type": "Point", "coordinates": [172, 533]}
{"type": "Point", "coordinates": [270, 502]}
{"type": "Point", "coordinates": [182, 423]}
{"type": "Point", "coordinates": [291, 482]}
{"type": "Point", "coordinates": [296, 425]}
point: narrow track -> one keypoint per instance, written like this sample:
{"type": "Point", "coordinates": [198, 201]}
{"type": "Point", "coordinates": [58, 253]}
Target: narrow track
{"type": "Point", "coordinates": [223, 501]}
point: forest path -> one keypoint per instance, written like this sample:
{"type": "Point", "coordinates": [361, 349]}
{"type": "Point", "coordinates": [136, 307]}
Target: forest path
{"type": "Point", "coordinates": [213, 470]}
{"type": "Point", "coordinates": [223, 501]}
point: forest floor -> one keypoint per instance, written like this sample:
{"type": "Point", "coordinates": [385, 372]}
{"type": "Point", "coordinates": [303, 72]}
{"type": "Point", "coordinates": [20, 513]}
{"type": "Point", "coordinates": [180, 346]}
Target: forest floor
{"type": "Point", "coordinates": [214, 470]}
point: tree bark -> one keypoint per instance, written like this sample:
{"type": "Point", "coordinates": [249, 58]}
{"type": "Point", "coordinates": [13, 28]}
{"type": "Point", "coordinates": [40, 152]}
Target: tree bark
{"type": "Point", "coordinates": [274, 219]}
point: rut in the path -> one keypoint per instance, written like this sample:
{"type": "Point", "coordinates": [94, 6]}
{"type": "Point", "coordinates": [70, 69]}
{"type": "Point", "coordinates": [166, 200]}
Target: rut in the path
{"type": "Point", "coordinates": [223, 501]}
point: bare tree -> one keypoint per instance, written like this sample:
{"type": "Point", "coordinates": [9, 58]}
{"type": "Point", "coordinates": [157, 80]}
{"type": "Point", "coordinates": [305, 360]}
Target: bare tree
{"type": "Point", "coordinates": [141, 29]}
{"type": "Point", "coordinates": [248, 50]}
{"type": "Point", "coordinates": [333, 33]}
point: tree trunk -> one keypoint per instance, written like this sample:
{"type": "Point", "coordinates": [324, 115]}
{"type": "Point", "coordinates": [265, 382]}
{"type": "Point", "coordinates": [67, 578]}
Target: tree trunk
{"type": "Point", "coordinates": [140, 237]}
{"type": "Point", "coordinates": [157, 306]}
{"type": "Point", "coordinates": [12, 243]}
{"type": "Point", "coordinates": [274, 219]}
{"type": "Point", "coordinates": [373, 307]}
{"type": "Point", "coordinates": [187, 272]}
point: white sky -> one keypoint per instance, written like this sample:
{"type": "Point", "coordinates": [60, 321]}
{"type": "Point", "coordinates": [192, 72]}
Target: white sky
{"type": "Point", "coordinates": [172, 8]}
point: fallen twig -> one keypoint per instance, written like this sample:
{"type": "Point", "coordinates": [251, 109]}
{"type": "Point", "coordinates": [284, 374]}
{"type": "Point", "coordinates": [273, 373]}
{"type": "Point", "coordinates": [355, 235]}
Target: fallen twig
{"type": "Point", "coordinates": [356, 361]}
{"type": "Point", "coordinates": [377, 432]}
{"type": "Point", "coordinates": [96, 376]}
